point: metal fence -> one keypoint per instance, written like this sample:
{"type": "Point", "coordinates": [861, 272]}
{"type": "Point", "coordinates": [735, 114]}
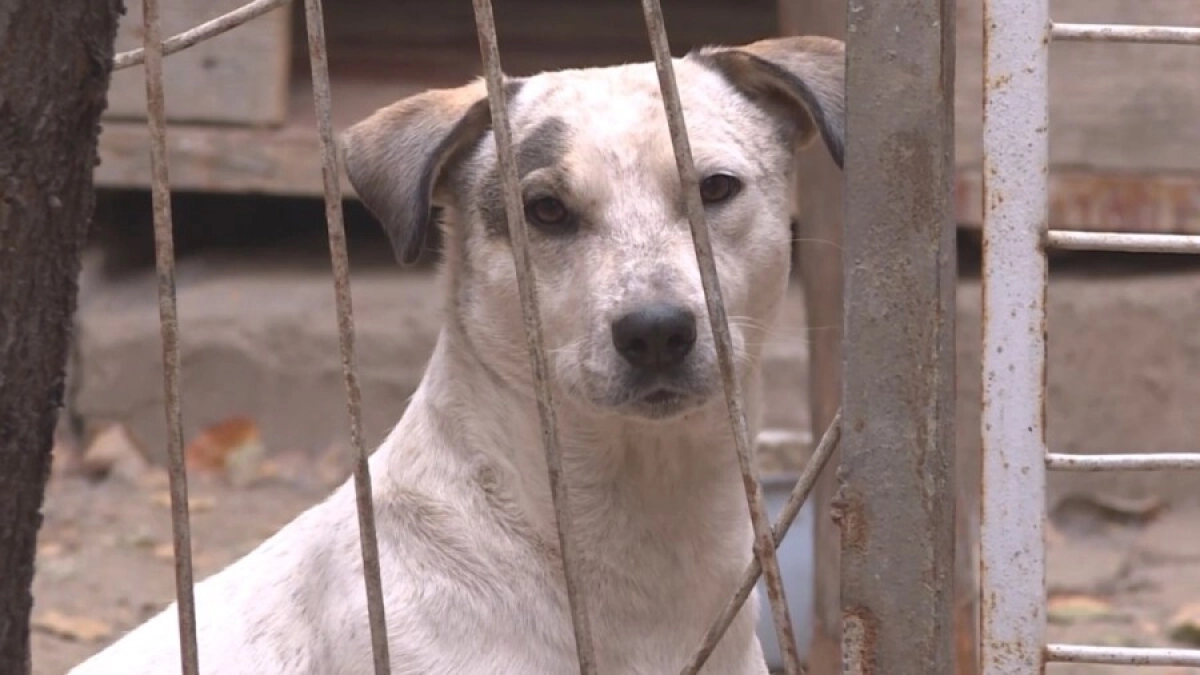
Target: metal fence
{"type": "Point", "coordinates": [1017, 37]}
{"type": "Point", "coordinates": [766, 536]}
{"type": "Point", "coordinates": [896, 505]}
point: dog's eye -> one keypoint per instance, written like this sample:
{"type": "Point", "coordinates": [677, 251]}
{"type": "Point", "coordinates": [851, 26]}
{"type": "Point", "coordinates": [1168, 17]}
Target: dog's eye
{"type": "Point", "coordinates": [718, 188]}
{"type": "Point", "coordinates": [547, 211]}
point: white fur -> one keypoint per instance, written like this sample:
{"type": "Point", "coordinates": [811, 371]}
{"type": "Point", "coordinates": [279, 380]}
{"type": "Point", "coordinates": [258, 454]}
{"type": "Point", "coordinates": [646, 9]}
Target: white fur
{"type": "Point", "coordinates": [472, 586]}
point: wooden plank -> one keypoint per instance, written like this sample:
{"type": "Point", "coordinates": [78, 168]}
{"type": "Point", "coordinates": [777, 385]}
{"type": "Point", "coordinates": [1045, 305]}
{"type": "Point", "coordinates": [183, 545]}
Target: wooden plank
{"type": "Point", "coordinates": [534, 34]}
{"type": "Point", "coordinates": [1113, 107]}
{"type": "Point", "coordinates": [383, 50]}
{"type": "Point", "coordinates": [820, 217]}
{"type": "Point", "coordinates": [240, 77]}
{"type": "Point", "coordinates": [281, 160]}
{"type": "Point", "coordinates": [380, 51]}
{"type": "Point", "coordinates": [214, 159]}
{"type": "Point", "coordinates": [284, 161]}
{"type": "Point", "coordinates": [1105, 201]}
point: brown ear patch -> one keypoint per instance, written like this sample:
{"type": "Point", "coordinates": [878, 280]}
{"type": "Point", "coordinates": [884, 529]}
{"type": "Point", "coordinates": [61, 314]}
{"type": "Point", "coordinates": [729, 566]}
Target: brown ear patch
{"type": "Point", "coordinates": [397, 159]}
{"type": "Point", "coordinates": [801, 78]}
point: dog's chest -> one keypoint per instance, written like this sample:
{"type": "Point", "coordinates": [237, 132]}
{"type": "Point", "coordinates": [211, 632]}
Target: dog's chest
{"type": "Point", "coordinates": [647, 614]}
{"type": "Point", "coordinates": [654, 582]}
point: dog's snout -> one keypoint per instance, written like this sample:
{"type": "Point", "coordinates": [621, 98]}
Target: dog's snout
{"type": "Point", "coordinates": [655, 336]}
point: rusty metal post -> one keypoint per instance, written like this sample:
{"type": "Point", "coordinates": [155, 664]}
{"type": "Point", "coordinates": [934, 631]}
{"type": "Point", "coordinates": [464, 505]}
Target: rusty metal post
{"type": "Point", "coordinates": [1015, 209]}
{"type": "Point", "coordinates": [897, 499]}
{"type": "Point", "coordinates": [764, 548]}
{"type": "Point", "coordinates": [164, 261]}
{"type": "Point", "coordinates": [489, 55]}
{"type": "Point", "coordinates": [314, 21]}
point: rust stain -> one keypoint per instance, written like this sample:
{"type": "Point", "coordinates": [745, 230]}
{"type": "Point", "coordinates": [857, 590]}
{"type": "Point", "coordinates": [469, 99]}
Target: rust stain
{"type": "Point", "coordinates": [1004, 651]}
{"type": "Point", "coordinates": [1101, 202]}
{"type": "Point", "coordinates": [849, 513]}
{"type": "Point", "coordinates": [998, 82]}
{"type": "Point", "coordinates": [860, 636]}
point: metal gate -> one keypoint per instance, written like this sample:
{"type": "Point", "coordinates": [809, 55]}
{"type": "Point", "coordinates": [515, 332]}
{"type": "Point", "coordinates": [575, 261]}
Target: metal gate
{"type": "Point", "coordinates": [1016, 236]}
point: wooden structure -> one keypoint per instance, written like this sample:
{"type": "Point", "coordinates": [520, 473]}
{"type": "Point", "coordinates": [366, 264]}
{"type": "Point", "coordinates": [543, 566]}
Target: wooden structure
{"type": "Point", "coordinates": [379, 51]}
{"type": "Point", "coordinates": [1123, 142]}
{"type": "Point", "coordinates": [238, 78]}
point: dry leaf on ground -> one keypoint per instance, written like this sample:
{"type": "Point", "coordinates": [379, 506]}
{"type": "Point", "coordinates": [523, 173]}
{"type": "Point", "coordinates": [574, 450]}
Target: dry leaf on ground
{"type": "Point", "coordinates": [1065, 609]}
{"type": "Point", "coordinates": [165, 551]}
{"type": "Point", "coordinates": [232, 448]}
{"type": "Point", "coordinates": [196, 503]}
{"type": "Point", "coordinates": [50, 549]}
{"type": "Point", "coordinates": [114, 452]}
{"type": "Point", "coordinates": [78, 628]}
{"type": "Point", "coordinates": [1185, 625]}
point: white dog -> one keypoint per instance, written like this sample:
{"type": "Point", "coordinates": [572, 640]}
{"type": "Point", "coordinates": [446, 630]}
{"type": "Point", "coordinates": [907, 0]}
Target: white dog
{"type": "Point", "coordinates": [472, 575]}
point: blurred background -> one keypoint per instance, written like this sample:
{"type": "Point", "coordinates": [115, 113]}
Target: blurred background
{"type": "Point", "coordinates": [264, 413]}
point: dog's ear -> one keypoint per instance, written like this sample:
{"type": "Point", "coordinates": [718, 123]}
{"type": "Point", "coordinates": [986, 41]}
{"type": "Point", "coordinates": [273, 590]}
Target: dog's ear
{"type": "Point", "coordinates": [396, 159]}
{"type": "Point", "coordinates": [803, 78]}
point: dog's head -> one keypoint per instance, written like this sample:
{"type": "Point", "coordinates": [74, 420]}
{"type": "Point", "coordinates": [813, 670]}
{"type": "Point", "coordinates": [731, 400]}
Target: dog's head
{"type": "Point", "coordinates": [619, 287]}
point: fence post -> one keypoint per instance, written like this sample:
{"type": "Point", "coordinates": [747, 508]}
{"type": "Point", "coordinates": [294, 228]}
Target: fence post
{"type": "Point", "coordinates": [897, 500]}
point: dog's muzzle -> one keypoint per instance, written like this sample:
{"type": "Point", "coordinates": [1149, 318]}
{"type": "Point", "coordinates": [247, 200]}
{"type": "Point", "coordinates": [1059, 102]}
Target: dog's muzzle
{"type": "Point", "coordinates": [657, 342]}
{"type": "Point", "coordinates": [653, 339]}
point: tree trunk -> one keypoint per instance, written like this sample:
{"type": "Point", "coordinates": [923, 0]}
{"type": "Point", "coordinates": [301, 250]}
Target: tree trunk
{"type": "Point", "coordinates": [56, 57]}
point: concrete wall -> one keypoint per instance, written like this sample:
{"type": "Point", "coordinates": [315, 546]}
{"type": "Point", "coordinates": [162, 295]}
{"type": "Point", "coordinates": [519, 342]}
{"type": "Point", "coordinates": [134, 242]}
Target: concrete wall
{"type": "Point", "coordinates": [259, 339]}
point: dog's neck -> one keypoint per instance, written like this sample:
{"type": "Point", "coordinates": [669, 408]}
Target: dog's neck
{"type": "Point", "coordinates": [613, 465]}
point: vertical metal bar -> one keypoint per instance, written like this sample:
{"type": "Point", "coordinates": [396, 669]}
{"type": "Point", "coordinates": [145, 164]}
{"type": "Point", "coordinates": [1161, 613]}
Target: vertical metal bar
{"type": "Point", "coordinates": [897, 499]}
{"type": "Point", "coordinates": [1015, 208]}
{"type": "Point", "coordinates": [164, 260]}
{"type": "Point", "coordinates": [489, 52]}
{"type": "Point", "coordinates": [804, 486]}
{"type": "Point", "coordinates": [763, 547]}
{"type": "Point", "coordinates": [330, 174]}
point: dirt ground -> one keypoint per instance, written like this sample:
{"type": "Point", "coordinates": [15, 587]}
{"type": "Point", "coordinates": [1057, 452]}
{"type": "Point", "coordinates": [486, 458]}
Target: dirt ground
{"type": "Point", "coordinates": [1119, 573]}
{"type": "Point", "coordinates": [105, 560]}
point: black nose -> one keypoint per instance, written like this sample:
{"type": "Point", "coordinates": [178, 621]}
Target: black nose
{"type": "Point", "coordinates": [655, 336]}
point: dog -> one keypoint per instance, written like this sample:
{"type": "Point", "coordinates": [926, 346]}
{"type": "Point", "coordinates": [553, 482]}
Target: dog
{"type": "Point", "coordinates": [472, 573]}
